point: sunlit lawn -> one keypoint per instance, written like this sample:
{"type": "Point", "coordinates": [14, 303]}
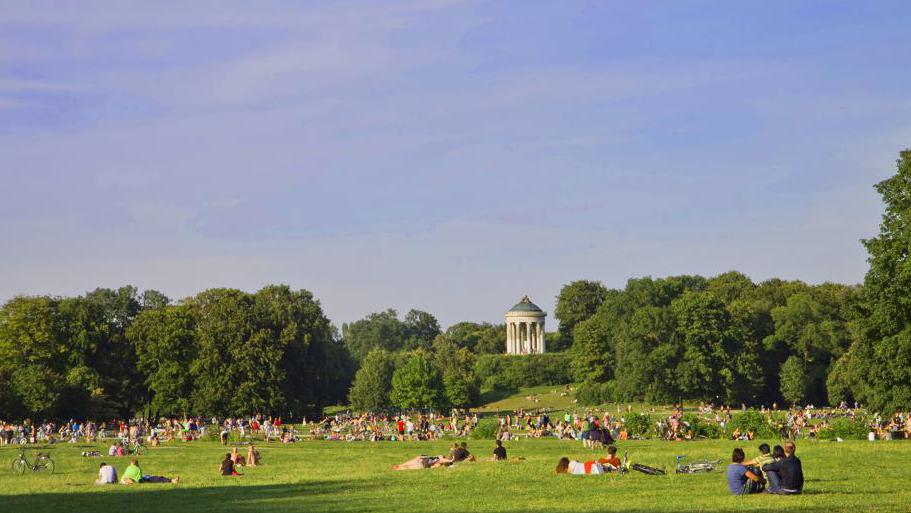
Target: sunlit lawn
{"type": "Point", "coordinates": [349, 477]}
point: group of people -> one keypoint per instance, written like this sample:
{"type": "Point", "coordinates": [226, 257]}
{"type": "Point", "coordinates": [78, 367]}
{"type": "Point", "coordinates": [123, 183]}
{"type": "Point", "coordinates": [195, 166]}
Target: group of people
{"type": "Point", "coordinates": [458, 453]}
{"type": "Point", "coordinates": [777, 470]}
{"type": "Point", "coordinates": [233, 460]}
{"type": "Point", "coordinates": [107, 474]}
{"type": "Point", "coordinates": [382, 427]}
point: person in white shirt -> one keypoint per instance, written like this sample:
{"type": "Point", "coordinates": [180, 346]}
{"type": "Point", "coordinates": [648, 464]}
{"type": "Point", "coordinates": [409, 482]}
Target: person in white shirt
{"type": "Point", "coordinates": [107, 474]}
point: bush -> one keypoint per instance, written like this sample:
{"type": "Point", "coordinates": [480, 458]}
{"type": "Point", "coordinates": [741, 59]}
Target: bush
{"type": "Point", "coordinates": [592, 394]}
{"type": "Point", "coordinates": [751, 421]}
{"type": "Point", "coordinates": [485, 430]}
{"type": "Point", "coordinates": [498, 371]}
{"type": "Point", "coordinates": [638, 424]}
{"type": "Point", "coordinates": [845, 428]}
{"type": "Point", "coordinates": [701, 427]}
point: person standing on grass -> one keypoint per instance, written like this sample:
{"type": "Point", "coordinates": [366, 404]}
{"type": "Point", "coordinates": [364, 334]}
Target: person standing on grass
{"type": "Point", "coordinates": [786, 474]}
{"type": "Point", "coordinates": [743, 480]}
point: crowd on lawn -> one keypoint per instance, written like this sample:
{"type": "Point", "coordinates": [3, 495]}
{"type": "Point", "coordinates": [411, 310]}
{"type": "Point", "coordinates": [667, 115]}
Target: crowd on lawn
{"type": "Point", "coordinates": [592, 427]}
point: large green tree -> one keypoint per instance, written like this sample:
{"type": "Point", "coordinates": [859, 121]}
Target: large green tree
{"type": "Point", "coordinates": [373, 382]}
{"type": "Point", "coordinates": [379, 330]}
{"type": "Point", "coordinates": [577, 301]}
{"type": "Point", "coordinates": [418, 384]}
{"type": "Point", "coordinates": [882, 354]}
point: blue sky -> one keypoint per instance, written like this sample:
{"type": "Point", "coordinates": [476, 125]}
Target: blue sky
{"type": "Point", "coordinates": [445, 155]}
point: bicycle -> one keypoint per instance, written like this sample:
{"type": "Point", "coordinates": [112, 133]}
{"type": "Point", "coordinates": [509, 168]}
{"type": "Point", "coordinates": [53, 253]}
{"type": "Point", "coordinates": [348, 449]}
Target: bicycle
{"type": "Point", "coordinates": [136, 447]}
{"type": "Point", "coordinates": [696, 467]}
{"type": "Point", "coordinates": [638, 467]}
{"type": "Point", "coordinates": [43, 463]}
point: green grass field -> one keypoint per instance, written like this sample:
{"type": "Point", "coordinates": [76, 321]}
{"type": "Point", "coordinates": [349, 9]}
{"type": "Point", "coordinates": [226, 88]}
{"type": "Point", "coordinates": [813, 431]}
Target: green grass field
{"type": "Point", "coordinates": [356, 477]}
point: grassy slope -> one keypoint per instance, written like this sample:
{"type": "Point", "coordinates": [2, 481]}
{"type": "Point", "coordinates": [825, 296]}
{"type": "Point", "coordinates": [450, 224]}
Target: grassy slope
{"type": "Point", "coordinates": [355, 477]}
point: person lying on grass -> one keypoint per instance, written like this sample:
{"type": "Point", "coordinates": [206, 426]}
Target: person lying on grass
{"type": "Point", "coordinates": [422, 462]}
{"type": "Point", "coordinates": [567, 466]}
{"type": "Point", "coordinates": [743, 480]}
{"type": "Point", "coordinates": [228, 467]}
{"type": "Point", "coordinates": [786, 474]}
{"type": "Point", "coordinates": [133, 475]}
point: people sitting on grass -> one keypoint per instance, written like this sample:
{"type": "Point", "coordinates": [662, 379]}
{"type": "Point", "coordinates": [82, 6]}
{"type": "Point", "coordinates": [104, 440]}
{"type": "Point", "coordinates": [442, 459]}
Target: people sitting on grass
{"type": "Point", "coordinates": [612, 462]}
{"type": "Point", "coordinates": [499, 452]}
{"type": "Point", "coordinates": [252, 456]}
{"type": "Point", "coordinates": [107, 474]}
{"type": "Point", "coordinates": [764, 457]}
{"type": "Point", "coordinates": [133, 475]}
{"type": "Point", "coordinates": [785, 475]}
{"type": "Point", "coordinates": [743, 480]}
{"type": "Point", "coordinates": [460, 453]}
{"type": "Point", "coordinates": [228, 466]}
{"type": "Point", "coordinates": [422, 462]}
{"type": "Point", "coordinates": [568, 466]}
{"type": "Point", "coordinates": [235, 457]}
{"type": "Point", "coordinates": [116, 449]}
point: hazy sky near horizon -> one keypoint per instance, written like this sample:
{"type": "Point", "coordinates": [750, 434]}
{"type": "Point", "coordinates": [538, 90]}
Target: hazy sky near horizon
{"type": "Point", "coordinates": [443, 155]}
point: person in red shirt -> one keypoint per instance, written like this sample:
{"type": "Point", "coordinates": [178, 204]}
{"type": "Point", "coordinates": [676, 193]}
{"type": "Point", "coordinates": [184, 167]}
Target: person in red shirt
{"type": "Point", "coordinates": [612, 462]}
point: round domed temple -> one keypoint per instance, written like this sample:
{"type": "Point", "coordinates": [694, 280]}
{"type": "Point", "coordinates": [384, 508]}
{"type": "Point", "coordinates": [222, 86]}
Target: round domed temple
{"type": "Point", "coordinates": [525, 328]}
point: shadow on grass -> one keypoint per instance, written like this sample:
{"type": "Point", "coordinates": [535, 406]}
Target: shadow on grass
{"type": "Point", "coordinates": [234, 496]}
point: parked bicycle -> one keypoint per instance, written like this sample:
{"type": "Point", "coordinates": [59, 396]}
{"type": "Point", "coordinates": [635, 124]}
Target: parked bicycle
{"type": "Point", "coordinates": [696, 467]}
{"type": "Point", "coordinates": [43, 463]}
{"type": "Point", "coordinates": [136, 447]}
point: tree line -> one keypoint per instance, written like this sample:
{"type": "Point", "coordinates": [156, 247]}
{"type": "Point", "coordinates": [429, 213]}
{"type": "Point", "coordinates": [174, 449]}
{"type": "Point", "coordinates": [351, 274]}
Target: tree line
{"type": "Point", "coordinates": [727, 339]}
{"type": "Point", "coordinates": [226, 352]}
{"type": "Point", "coordinates": [116, 353]}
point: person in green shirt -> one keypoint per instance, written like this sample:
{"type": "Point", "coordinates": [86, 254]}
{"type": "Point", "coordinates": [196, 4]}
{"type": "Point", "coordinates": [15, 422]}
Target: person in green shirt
{"type": "Point", "coordinates": [133, 475]}
{"type": "Point", "coordinates": [764, 458]}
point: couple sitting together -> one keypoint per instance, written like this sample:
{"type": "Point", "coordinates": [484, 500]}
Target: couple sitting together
{"type": "Point", "coordinates": [781, 470]}
{"type": "Point", "coordinates": [107, 474]}
{"type": "Point", "coordinates": [600, 466]}
{"type": "Point", "coordinates": [456, 454]}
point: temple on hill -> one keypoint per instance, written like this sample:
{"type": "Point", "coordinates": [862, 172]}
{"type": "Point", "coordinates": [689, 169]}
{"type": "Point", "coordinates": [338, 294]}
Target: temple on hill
{"type": "Point", "coordinates": [525, 328]}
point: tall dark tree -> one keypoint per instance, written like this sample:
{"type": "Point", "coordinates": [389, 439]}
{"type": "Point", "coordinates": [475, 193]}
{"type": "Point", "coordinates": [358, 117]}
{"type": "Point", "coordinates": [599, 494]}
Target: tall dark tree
{"type": "Point", "coordinates": [420, 330]}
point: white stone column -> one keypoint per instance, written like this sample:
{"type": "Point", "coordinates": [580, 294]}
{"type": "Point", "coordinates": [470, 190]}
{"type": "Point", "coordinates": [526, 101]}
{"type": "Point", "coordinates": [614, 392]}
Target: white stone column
{"type": "Point", "coordinates": [522, 334]}
{"type": "Point", "coordinates": [533, 343]}
{"type": "Point", "coordinates": [515, 338]}
{"type": "Point", "coordinates": [541, 336]}
{"type": "Point", "coordinates": [510, 338]}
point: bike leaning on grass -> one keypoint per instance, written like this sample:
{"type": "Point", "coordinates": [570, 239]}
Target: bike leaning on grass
{"type": "Point", "coordinates": [43, 463]}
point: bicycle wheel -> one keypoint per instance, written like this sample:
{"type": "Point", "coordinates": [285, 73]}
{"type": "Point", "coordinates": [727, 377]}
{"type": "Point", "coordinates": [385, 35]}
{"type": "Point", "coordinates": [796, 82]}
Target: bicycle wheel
{"type": "Point", "coordinates": [44, 464]}
{"type": "Point", "coordinates": [19, 466]}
